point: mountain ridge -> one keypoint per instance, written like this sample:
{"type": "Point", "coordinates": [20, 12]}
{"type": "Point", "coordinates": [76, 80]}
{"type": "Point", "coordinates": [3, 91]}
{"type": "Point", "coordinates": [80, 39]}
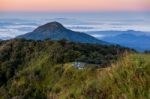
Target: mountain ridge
{"type": "Point", "coordinates": [56, 31]}
{"type": "Point", "coordinates": [138, 42]}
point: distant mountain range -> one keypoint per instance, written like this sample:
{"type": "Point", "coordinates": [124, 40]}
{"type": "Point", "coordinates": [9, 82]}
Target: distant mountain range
{"type": "Point", "coordinates": [56, 31]}
{"type": "Point", "coordinates": [138, 42]}
{"type": "Point", "coordinates": [111, 33]}
{"type": "Point", "coordinates": [133, 39]}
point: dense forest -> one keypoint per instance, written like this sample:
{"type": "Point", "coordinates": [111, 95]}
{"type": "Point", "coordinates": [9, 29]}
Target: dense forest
{"type": "Point", "coordinates": [30, 69]}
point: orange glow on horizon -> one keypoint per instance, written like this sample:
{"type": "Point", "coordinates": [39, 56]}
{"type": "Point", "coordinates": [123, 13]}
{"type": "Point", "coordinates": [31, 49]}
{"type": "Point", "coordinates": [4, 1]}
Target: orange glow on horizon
{"type": "Point", "coordinates": [74, 5]}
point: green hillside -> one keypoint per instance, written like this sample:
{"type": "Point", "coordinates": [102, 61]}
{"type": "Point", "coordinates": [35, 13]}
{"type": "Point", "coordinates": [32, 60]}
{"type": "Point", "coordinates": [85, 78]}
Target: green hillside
{"type": "Point", "coordinates": [44, 69]}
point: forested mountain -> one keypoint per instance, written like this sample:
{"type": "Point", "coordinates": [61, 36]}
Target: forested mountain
{"type": "Point", "coordinates": [29, 61]}
{"type": "Point", "coordinates": [44, 70]}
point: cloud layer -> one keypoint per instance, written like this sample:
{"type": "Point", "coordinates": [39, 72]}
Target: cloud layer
{"type": "Point", "coordinates": [12, 26]}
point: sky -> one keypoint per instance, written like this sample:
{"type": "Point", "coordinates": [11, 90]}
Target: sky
{"type": "Point", "coordinates": [74, 5]}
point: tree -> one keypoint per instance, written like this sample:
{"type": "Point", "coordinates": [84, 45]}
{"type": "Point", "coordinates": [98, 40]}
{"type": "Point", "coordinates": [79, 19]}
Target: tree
{"type": "Point", "coordinates": [56, 53]}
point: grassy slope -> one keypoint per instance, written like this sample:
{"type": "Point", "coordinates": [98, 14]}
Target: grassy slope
{"type": "Point", "coordinates": [126, 79]}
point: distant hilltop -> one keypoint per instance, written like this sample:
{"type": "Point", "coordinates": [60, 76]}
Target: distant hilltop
{"type": "Point", "coordinates": [56, 31]}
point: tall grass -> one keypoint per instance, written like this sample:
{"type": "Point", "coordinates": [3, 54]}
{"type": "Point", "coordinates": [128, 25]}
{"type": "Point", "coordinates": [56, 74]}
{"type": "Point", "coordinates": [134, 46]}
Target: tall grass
{"type": "Point", "coordinates": [128, 78]}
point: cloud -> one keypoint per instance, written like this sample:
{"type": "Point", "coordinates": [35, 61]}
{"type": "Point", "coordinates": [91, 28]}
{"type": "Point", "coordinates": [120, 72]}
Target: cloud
{"type": "Point", "coordinates": [15, 30]}
{"type": "Point", "coordinates": [12, 27]}
{"type": "Point", "coordinates": [98, 35]}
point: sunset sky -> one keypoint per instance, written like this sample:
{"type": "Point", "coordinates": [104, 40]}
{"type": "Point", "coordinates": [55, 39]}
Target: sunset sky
{"type": "Point", "coordinates": [74, 5]}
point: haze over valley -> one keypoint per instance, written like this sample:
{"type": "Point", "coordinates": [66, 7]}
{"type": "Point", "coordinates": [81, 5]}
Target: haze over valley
{"type": "Point", "coordinates": [100, 25]}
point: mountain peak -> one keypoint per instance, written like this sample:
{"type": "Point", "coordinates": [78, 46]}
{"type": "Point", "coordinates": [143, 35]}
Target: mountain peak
{"type": "Point", "coordinates": [56, 31]}
{"type": "Point", "coordinates": [52, 26]}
